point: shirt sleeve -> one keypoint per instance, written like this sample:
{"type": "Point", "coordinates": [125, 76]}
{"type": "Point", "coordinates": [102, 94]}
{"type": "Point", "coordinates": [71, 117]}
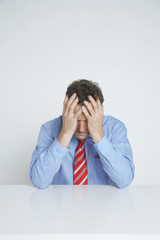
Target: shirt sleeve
{"type": "Point", "coordinates": [116, 157]}
{"type": "Point", "coordinates": [46, 160]}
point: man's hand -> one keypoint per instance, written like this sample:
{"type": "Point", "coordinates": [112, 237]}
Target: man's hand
{"type": "Point", "coordinates": [69, 119]}
{"type": "Point", "coordinates": [93, 111]}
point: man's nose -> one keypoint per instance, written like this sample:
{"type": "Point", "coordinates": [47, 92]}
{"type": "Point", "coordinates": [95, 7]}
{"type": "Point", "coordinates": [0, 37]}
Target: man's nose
{"type": "Point", "coordinates": [81, 127]}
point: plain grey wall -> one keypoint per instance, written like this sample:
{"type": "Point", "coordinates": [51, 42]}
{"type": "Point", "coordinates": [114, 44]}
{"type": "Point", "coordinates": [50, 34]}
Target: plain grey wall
{"type": "Point", "coordinates": [45, 45]}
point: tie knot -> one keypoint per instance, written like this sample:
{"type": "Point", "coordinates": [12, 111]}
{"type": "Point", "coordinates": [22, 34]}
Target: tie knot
{"type": "Point", "coordinates": [81, 143]}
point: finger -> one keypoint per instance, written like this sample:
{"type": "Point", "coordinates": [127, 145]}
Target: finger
{"type": "Point", "coordinates": [73, 104]}
{"type": "Point", "coordinates": [89, 107]}
{"type": "Point", "coordinates": [64, 102]}
{"type": "Point", "coordinates": [86, 113]}
{"type": "Point", "coordinates": [93, 102]}
{"type": "Point", "coordinates": [71, 99]}
{"type": "Point", "coordinates": [100, 106]}
{"type": "Point", "coordinates": [65, 99]}
{"type": "Point", "coordinates": [103, 109]}
{"type": "Point", "coordinates": [78, 113]}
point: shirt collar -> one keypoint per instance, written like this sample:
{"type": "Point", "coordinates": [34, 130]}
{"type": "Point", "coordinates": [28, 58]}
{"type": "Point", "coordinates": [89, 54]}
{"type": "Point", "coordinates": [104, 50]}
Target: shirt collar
{"type": "Point", "coordinates": [88, 139]}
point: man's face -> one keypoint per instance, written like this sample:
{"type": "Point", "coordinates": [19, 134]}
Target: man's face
{"type": "Point", "coordinates": [82, 127]}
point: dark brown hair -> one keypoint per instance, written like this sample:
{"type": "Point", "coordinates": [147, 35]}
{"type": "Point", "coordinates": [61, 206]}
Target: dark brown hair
{"type": "Point", "coordinates": [83, 88]}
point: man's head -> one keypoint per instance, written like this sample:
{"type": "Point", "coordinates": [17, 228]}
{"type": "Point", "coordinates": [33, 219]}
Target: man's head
{"type": "Point", "coordinates": [83, 88]}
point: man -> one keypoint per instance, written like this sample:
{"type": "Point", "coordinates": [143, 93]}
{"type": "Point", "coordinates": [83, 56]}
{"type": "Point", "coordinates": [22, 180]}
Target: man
{"type": "Point", "coordinates": [82, 146]}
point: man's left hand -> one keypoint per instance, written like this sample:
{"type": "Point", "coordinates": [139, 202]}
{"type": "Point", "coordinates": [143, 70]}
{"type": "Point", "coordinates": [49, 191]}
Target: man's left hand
{"type": "Point", "coordinates": [93, 111]}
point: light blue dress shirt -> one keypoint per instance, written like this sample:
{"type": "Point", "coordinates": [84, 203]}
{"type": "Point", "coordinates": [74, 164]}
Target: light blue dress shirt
{"type": "Point", "coordinates": [109, 162]}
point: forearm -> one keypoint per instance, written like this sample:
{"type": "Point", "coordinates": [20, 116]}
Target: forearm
{"type": "Point", "coordinates": [118, 167]}
{"type": "Point", "coordinates": [64, 138]}
{"type": "Point", "coordinates": [45, 165]}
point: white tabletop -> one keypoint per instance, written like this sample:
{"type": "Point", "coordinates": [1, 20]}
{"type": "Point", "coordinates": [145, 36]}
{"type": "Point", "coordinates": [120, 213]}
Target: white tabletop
{"type": "Point", "coordinates": [93, 210]}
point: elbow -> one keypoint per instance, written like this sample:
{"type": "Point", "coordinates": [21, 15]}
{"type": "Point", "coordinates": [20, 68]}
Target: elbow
{"type": "Point", "coordinates": [125, 181]}
{"type": "Point", "coordinates": [39, 185]}
{"type": "Point", "coordinates": [38, 182]}
{"type": "Point", "coordinates": [122, 186]}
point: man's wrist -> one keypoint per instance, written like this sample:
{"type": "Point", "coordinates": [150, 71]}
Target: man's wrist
{"type": "Point", "coordinates": [98, 136]}
{"type": "Point", "coordinates": [64, 138]}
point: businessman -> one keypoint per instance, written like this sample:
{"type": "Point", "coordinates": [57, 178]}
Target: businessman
{"type": "Point", "coordinates": [82, 146]}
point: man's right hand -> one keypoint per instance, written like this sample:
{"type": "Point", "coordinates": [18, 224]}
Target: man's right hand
{"type": "Point", "coordinates": [69, 119]}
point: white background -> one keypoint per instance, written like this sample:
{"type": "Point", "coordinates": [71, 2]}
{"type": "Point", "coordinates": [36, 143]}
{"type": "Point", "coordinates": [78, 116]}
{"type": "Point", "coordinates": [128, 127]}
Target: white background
{"type": "Point", "coordinates": [45, 45]}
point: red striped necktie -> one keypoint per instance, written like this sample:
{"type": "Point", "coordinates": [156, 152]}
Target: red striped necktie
{"type": "Point", "coordinates": [80, 166]}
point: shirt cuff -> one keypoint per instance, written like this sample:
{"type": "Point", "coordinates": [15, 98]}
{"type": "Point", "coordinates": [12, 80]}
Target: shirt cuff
{"type": "Point", "coordinates": [57, 150]}
{"type": "Point", "coordinates": [103, 146]}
